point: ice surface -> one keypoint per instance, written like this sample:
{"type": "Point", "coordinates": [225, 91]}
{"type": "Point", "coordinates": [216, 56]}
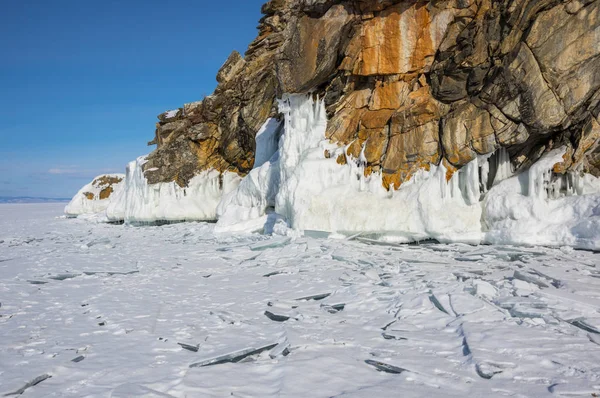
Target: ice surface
{"type": "Point", "coordinates": [148, 286]}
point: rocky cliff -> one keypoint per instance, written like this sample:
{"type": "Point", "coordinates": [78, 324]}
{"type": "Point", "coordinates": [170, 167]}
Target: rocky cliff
{"type": "Point", "coordinates": [408, 83]}
{"type": "Point", "coordinates": [457, 120]}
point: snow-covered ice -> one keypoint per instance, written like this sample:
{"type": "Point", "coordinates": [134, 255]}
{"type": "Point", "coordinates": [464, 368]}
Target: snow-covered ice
{"type": "Point", "coordinates": [92, 310]}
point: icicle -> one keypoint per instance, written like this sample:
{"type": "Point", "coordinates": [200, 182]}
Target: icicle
{"type": "Point", "coordinates": [484, 172]}
{"type": "Point", "coordinates": [503, 166]}
{"type": "Point", "coordinates": [469, 182]}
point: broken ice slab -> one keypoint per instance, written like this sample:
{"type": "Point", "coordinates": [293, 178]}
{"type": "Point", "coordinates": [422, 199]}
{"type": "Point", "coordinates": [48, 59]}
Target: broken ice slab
{"type": "Point", "coordinates": [384, 367]}
{"type": "Point", "coordinates": [315, 297]}
{"type": "Point", "coordinates": [333, 309]}
{"type": "Point", "coordinates": [594, 338]}
{"type": "Point", "coordinates": [281, 350]}
{"type": "Point", "coordinates": [34, 282]}
{"type": "Point", "coordinates": [62, 277]}
{"type": "Point", "coordinates": [234, 357]}
{"type": "Point", "coordinates": [393, 335]}
{"type": "Point", "coordinates": [354, 236]}
{"type": "Point", "coordinates": [510, 301]}
{"type": "Point", "coordinates": [526, 311]}
{"type": "Point", "coordinates": [557, 283]}
{"type": "Point", "coordinates": [309, 233]}
{"type": "Point", "coordinates": [484, 289]}
{"type": "Point", "coordinates": [284, 304]}
{"type": "Point", "coordinates": [32, 383]}
{"type": "Point", "coordinates": [465, 304]}
{"type": "Point", "coordinates": [95, 242]}
{"type": "Point", "coordinates": [272, 274]}
{"type": "Point", "coordinates": [111, 273]}
{"type": "Point", "coordinates": [573, 390]}
{"type": "Point", "coordinates": [487, 370]}
{"type": "Point", "coordinates": [376, 242]}
{"type": "Point", "coordinates": [271, 243]}
{"type": "Point", "coordinates": [275, 317]}
{"type": "Point", "coordinates": [193, 348]}
{"type": "Point", "coordinates": [465, 259]}
{"type": "Point", "coordinates": [530, 278]}
{"type": "Point", "coordinates": [437, 303]}
{"type": "Point", "coordinates": [581, 323]}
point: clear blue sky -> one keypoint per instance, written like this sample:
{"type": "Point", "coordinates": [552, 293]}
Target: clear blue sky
{"type": "Point", "coordinates": [81, 82]}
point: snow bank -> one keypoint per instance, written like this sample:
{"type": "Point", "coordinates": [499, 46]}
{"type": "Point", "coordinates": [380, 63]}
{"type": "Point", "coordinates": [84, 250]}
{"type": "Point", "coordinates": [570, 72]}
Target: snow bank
{"type": "Point", "coordinates": [96, 196]}
{"type": "Point", "coordinates": [147, 203]}
{"type": "Point", "coordinates": [539, 208]}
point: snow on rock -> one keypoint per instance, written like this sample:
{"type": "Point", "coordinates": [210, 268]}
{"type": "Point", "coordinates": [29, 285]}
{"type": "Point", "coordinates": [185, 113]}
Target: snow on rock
{"type": "Point", "coordinates": [538, 208]}
{"type": "Point", "coordinates": [96, 196]}
{"type": "Point", "coordinates": [148, 203]}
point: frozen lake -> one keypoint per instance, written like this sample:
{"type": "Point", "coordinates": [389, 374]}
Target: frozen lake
{"type": "Point", "coordinates": [116, 311]}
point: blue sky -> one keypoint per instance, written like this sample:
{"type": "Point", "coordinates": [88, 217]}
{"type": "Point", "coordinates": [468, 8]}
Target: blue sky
{"type": "Point", "coordinates": [81, 82]}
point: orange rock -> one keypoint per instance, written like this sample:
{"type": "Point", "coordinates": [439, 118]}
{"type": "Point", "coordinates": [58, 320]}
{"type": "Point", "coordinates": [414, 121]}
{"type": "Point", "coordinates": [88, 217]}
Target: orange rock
{"type": "Point", "coordinates": [389, 95]}
{"type": "Point", "coordinates": [376, 119]}
{"type": "Point", "coordinates": [398, 40]}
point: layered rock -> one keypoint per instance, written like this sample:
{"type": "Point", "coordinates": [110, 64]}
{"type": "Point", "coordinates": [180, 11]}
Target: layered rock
{"type": "Point", "coordinates": [408, 83]}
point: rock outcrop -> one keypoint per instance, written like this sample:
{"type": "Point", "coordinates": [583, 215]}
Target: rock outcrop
{"type": "Point", "coordinates": [408, 83]}
{"type": "Point", "coordinates": [96, 196]}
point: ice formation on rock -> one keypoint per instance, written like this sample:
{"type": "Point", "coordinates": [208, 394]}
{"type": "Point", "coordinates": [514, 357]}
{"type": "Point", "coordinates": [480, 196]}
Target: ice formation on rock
{"type": "Point", "coordinates": [538, 207]}
{"type": "Point", "coordinates": [96, 196]}
{"type": "Point", "coordinates": [316, 193]}
{"type": "Point", "coordinates": [482, 202]}
{"type": "Point", "coordinates": [148, 203]}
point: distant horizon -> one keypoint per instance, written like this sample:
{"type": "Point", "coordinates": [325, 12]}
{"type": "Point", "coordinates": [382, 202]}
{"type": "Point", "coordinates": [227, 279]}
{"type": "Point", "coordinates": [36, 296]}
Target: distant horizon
{"type": "Point", "coordinates": [83, 83]}
{"type": "Point", "coordinates": [31, 199]}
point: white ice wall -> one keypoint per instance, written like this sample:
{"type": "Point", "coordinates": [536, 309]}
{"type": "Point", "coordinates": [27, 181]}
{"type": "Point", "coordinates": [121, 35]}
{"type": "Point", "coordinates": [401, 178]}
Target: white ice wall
{"type": "Point", "coordinates": [530, 209]}
{"type": "Point", "coordinates": [148, 203]}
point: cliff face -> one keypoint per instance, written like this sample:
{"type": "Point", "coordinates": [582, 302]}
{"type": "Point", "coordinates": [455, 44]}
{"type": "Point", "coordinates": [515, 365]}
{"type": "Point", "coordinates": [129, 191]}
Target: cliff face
{"type": "Point", "coordinates": [407, 83]}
